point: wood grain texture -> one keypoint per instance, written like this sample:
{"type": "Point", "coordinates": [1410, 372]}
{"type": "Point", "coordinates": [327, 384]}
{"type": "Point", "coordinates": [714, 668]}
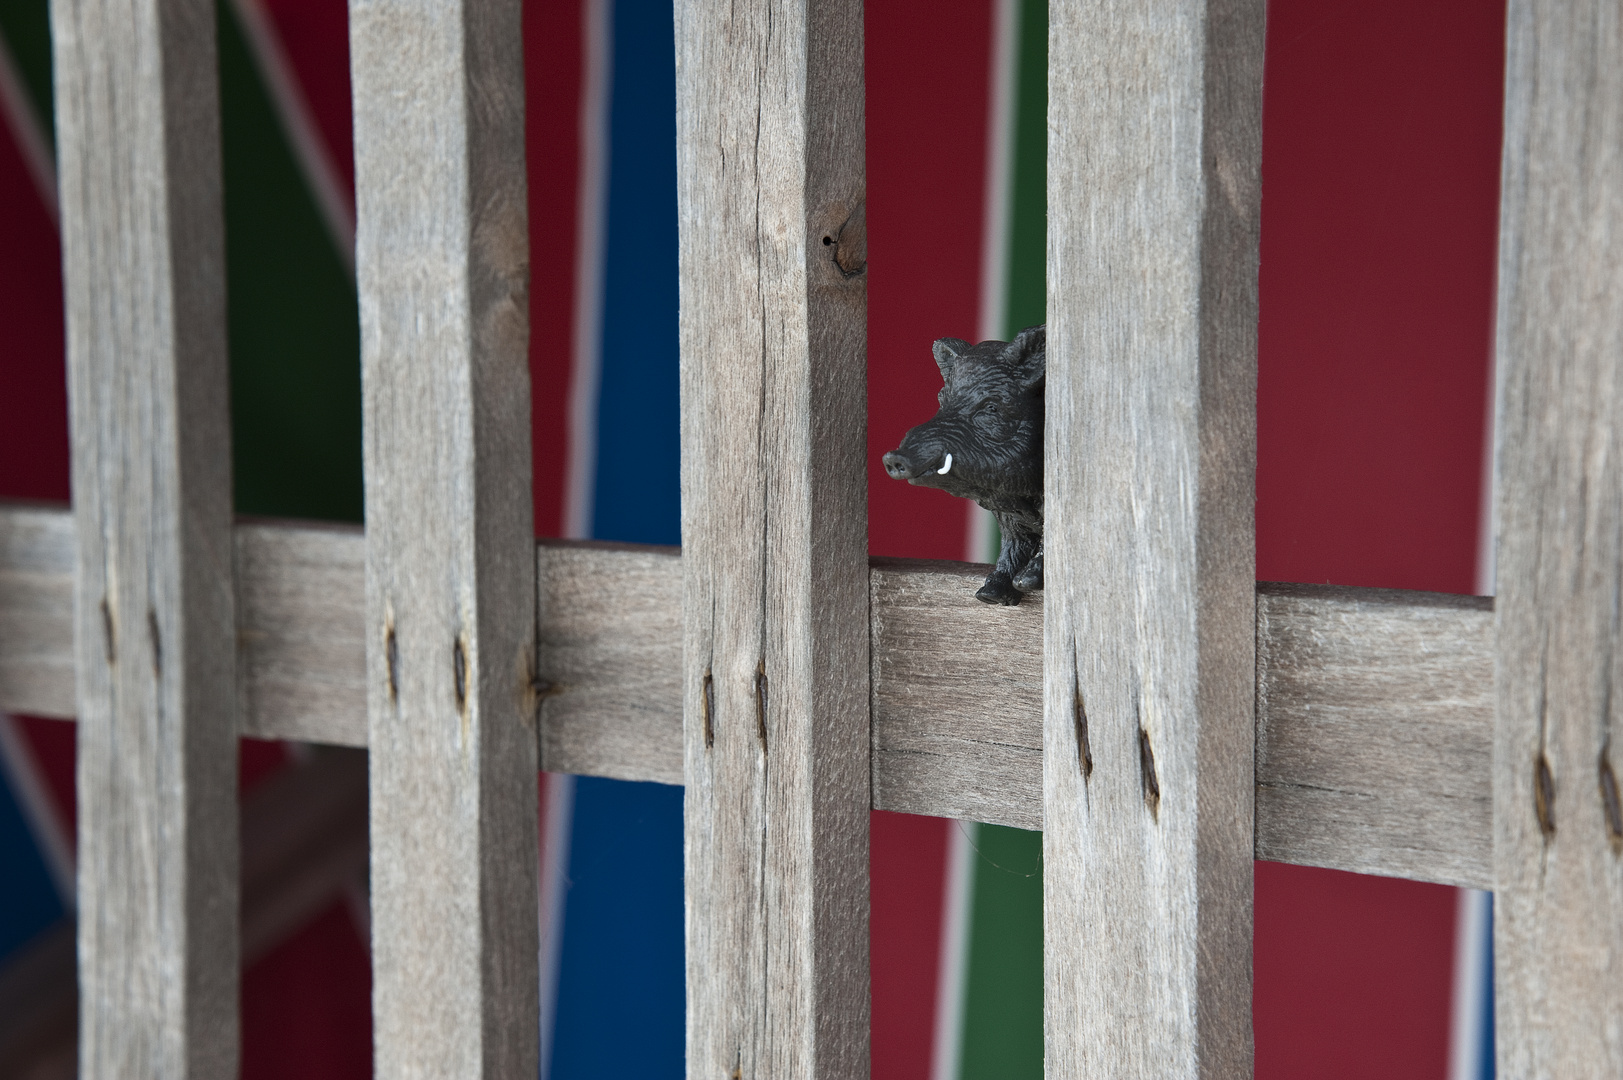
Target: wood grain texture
{"type": "Point", "coordinates": [957, 696]}
{"type": "Point", "coordinates": [1374, 707]}
{"type": "Point", "coordinates": [1558, 824]}
{"type": "Point", "coordinates": [303, 844]}
{"type": "Point", "coordinates": [1374, 721]}
{"type": "Point", "coordinates": [37, 558]}
{"type": "Point", "coordinates": [442, 264]}
{"type": "Point", "coordinates": [143, 264]}
{"type": "Point", "coordinates": [611, 660]}
{"type": "Point", "coordinates": [774, 526]}
{"type": "Point", "coordinates": [1154, 153]}
{"type": "Point", "coordinates": [301, 632]}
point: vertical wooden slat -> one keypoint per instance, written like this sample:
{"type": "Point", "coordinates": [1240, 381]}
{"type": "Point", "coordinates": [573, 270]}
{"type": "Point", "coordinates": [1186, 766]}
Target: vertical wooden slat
{"type": "Point", "coordinates": [144, 268]}
{"type": "Point", "coordinates": [442, 260]}
{"type": "Point", "coordinates": [1558, 826]}
{"type": "Point", "coordinates": [1153, 195]}
{"type": "Point", "coordinates": [774, 532]}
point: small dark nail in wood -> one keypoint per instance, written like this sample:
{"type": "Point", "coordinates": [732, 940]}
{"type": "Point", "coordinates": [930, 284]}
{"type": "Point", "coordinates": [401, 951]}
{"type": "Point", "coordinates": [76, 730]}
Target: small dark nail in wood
{"type": "Point", "coordinates": [760, 704]}
{"type": "Point", "coordinates": [109, 638]}
{"type": "Point", "coordinates": [709, 710]}
{"type": "Point", "coordinates": [1146, 768]}
{"type": "Point", "coordinates": [1544, 796]}
{"type": "Point", "coordinates": [1084, 752]}
{"type": "Point", "coordinates": [1609, 801]}
{"type": "Point", "coordinates": [391, 655]}
{"type": "Point", "coordinates": [157, 643]}
{"type": "Point", "coordinates": [459, 665]}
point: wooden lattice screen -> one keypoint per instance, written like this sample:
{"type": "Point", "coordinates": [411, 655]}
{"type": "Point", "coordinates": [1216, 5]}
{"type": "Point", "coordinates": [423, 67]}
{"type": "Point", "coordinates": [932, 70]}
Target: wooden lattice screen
{"type": "Point", "coordinates": [1158, 715]}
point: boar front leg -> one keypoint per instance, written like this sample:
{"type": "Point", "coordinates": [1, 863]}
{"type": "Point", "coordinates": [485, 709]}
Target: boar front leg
{"type": "Point", "coordinates": [1020, 546]}
{"type": "Point", "coordinates": [1030, 577]}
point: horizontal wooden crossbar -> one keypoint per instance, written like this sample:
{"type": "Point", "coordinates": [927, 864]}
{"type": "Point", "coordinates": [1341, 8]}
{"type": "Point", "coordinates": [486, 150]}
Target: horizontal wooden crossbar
{"type": "Point", "coordinates": [1374, 706]}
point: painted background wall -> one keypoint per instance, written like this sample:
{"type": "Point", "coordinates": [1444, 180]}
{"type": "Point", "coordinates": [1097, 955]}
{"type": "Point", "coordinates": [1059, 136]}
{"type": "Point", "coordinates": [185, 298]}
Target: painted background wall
{"type": "Point", "coordinates": [1380, 168]}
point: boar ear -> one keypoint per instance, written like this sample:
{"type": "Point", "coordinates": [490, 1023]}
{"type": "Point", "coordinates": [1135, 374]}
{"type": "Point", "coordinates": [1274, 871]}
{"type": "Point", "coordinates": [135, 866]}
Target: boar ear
{"type": "Point", "coordinates": [1027, 356]}
{"type": "Point", "coordinates": [947, 351]}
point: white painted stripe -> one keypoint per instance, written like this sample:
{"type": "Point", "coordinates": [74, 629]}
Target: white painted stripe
{"type": "Point", "coordinates": [23, 119]}
{"type": "Point", "coordinates": [558, 793]}
{"type": "Point", "coordinates": [1473, 922]}
{"type": "Point", "coordinates": [946, 1056]}
{"type": "Point", "coordinates": [558, 790]}
{"type": "Point", "coordinates": [591, 224]}
{"type": "Point", "coordinates": [315, 160]}
{"type": "Point", "coordinates": [1473, 931]}
{"type": "Point", "coordinates": [980, 542]}
{"type": "Point", "coordinates": [999, 169]}
{"type": "Point", "coordinates": [28, 788]}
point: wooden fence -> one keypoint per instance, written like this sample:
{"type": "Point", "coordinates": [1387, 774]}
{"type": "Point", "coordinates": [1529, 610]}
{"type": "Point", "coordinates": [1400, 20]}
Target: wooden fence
{"type": "Point", "coordinates": [1162, 718]}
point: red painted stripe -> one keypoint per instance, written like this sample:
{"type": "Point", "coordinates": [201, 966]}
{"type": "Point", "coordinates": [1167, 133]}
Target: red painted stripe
{"type": "Point", "coordinates": [34, 401]}
{"type": "Point", "coordinates": [553, 73]}
{"type": "Point", "coordinates": [315, 38]}
{"type": "Point", "coordinates": [928, 70]}
{"type": "Point", "coordinates": [1380, 168]}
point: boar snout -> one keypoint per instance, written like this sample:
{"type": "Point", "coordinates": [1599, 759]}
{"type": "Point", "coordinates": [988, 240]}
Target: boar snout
{"type": "Point", "coordinates": [899, 466]}
{"type": "Point", "coordinates": [902, 466]}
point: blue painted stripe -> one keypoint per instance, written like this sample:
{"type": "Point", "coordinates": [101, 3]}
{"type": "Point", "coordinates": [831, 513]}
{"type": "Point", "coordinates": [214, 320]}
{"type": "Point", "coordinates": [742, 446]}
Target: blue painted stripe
{"type": "Point", "coordinates": [637, 488]}
{"type": "Point", "coordinates": [29, 901]}
{"type": "Point", "coordinates": [621, 983]}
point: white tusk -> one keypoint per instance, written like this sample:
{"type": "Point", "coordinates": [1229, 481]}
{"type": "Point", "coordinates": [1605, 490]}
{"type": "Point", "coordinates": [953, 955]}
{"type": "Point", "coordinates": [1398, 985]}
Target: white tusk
{"type": "Point", "coordinates": [945, 468]}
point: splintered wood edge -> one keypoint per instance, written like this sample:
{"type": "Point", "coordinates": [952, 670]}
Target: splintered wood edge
{"type": "Point", "coordinates": [1374, 706]}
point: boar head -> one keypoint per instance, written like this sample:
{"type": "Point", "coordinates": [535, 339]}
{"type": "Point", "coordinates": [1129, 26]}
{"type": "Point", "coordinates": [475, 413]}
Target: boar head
{"type": "Point", "coordinates": [986, 443]}
{"type": "Point", "coordinates": [986, 440]}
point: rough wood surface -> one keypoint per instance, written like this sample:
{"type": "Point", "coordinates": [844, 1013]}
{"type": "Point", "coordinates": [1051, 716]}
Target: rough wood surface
{"type": "Point", "coordinates": [303, 844]}
{"type": "Point", "coordinates": [37, 557]}
{"type": "Point", "coordinates": [611, 660]}
{"type": "Point", "coordinates": [1558, 818]}
{"type": "Point", "coordinates": [442, 266]}
{"type": "Point", "coordinates": [143, 265]}
{"type": "Point", "coordinates": [301, 632]}
{"type": "Point", "coordinates": [1154, 151]}
{"type": "Point", "coordinates": [1374, 720]}
{"type": "Point", "coordinates": [957, 696]}
{"type": "Point", "coordinates": [774, 528]}
{"type": "Point", "coordinates": [1374, 707]}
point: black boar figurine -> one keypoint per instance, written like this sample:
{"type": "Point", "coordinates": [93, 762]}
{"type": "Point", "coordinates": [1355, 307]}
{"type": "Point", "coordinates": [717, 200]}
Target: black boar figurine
{"type": "Point", "coordinates": [986, 443]}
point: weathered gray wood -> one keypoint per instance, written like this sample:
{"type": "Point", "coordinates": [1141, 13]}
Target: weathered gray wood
{"type": "Point", "coordinates": [303, 843]}
{"type": "Point", "coordinates": [957, 696]}
{"type": "Point", "coordinates": [611, 660]}
{"type": "Point", "coordinates": [301, 637]}
{"type": "Point", "coordinates": [1558, 821]}
{"type": "Point", "coordinates": [37, 558]}
{"type": "Point", "coordinates": [442, 264]}
{"type": "Point", "coordinates": [143, 266]}
{"type": "Point", "coordinates": [1374, 707]}
{"type": "Point", "coordinates": [774, 525]}
{"type": "Point", "coordinates": [1153, 206]}
{"type": "Point", "coordinates": [1374, 714]}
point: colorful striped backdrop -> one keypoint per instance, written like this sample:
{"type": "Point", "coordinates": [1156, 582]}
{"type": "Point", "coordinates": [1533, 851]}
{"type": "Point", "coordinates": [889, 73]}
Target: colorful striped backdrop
{"type": "Point", "coordinates": [1380, 166]}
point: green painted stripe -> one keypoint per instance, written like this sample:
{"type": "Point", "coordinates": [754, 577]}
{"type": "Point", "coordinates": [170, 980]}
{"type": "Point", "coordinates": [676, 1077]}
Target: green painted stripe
{"type": "Point", "coordinates": [292, 314]}
{"type": "Point", "coordinates": [1003, 993]}
{"type": "Point", "coordinates": [26, 26]}
{"type": "Point", "coordinates": [1027, 303]}
{"type": "Point", "coordinates": [1003, 996]}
